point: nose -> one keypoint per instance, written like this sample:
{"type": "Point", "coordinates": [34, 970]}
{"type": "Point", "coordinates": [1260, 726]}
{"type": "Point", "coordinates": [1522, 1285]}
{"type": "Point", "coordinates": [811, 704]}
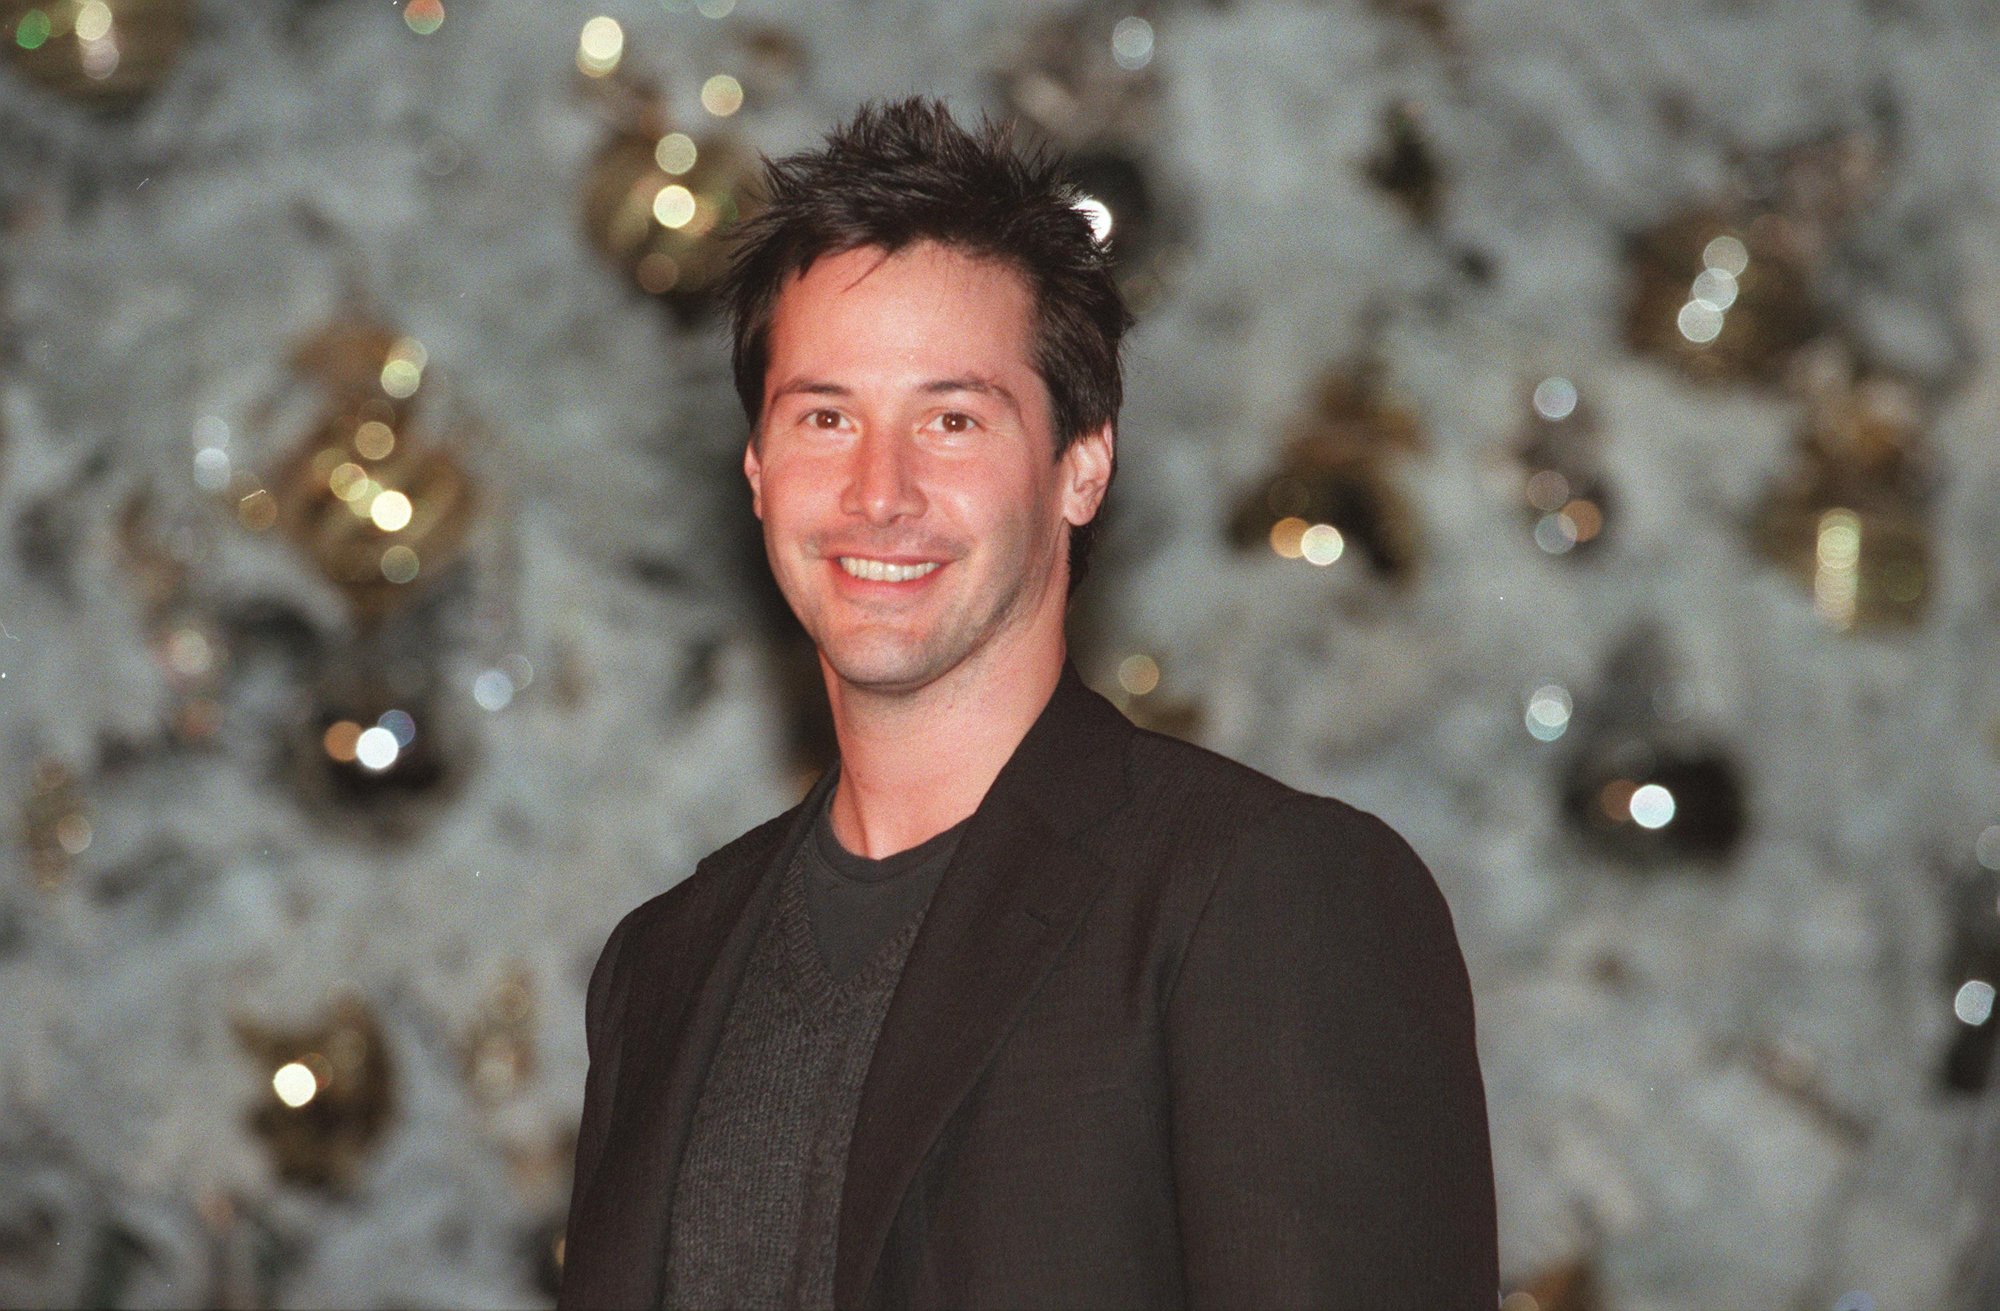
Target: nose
{"type": "Point", "coordinates": [881, 483]}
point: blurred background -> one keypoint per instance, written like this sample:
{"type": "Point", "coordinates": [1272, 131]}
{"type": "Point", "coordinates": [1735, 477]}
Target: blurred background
{"type": "Point", "coordinates": [1567, 430]}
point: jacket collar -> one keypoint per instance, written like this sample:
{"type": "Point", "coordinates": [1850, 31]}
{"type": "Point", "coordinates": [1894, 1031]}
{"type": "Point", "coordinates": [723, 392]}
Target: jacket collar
{"type": "Point", "coordinates": [1014, 892]}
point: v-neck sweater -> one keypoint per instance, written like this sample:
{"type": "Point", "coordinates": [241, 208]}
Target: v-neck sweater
{"type": "Point", "coordinates": [756, 1208]}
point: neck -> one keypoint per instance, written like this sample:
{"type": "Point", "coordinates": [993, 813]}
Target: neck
{"type": "Point", "coordinates": [912, 764]}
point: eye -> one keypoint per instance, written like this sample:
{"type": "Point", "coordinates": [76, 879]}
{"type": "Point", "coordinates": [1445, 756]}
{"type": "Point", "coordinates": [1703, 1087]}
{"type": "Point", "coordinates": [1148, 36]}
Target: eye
{"type": "Point", "coordinates": [823, 418]}
{"type": "Point", "coordinates": [956, 421]}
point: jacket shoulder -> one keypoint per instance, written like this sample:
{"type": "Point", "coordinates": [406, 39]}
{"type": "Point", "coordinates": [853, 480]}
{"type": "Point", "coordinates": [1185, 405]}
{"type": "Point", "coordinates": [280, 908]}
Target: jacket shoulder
{"type": "Point", "coordinates": [747, 851]}
{"type": "Point", "coordinates": [1197, 792]}
{"type": "Point", "coordinates": [1176, 777]}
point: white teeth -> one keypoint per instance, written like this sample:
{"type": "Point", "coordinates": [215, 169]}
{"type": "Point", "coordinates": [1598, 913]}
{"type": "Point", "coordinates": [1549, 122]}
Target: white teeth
{"type": "Point", "coordinates": [882, 571]}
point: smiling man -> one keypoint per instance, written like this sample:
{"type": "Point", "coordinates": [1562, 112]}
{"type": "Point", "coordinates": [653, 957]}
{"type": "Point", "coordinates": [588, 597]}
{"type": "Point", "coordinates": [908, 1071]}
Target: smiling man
{"type": "Point", "coordinates": [1021, 1006]}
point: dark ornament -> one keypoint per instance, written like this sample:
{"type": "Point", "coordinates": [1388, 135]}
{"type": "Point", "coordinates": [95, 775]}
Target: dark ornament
{"type": "Point", "coordinates": [1972, 972]}
{"type": "Point", "coordinates": [1565, 497]}
{"type": "Point", "coordinates": [1404, 165]}
{"type": "Point", "coordinates": [328, 1097]}
{"type": "Point", "coordinates": [1084, 85]}
{"type": "Point", "coordinates": [381, 744]}
{"type": "Point", "coordinates": [1643, 786]}
{"type": "Point", "coordinates": [1338, 472]}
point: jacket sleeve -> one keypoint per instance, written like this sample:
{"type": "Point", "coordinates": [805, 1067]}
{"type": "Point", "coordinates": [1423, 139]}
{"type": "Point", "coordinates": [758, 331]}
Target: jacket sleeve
{"type": "Point", "coordinates": [600, 1022]}
{"type": "Point", "coordinates": [1329, 1128]}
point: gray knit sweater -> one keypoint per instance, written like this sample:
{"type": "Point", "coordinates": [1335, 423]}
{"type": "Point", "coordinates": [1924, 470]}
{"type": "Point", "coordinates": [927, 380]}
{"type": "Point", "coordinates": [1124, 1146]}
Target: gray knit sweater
{"type": "Point", "coordinates": [757, 1205]}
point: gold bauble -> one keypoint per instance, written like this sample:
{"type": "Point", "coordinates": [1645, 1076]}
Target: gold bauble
{"type": "Point", "coordinates": [1850, 519]}
{"type": "Point", "coordinates": [499, 1051]}
{"type": "Point", "coordinates": [1732, 288]}
{"type": "Point", "coordinates": [1338, 471]}
{"type": "Point", "coordinates": [107, 53]}
{"type": "Point", "coordinates": [55, 823]}
{"type": "Point", "coordinates": [378, 505]}
{"type": "Point", "coordinates": [660, 207]}
{"type": "Point", "coordinates": [1722, 297]}
{"type": "Point", "coordinates": [329, 1092]}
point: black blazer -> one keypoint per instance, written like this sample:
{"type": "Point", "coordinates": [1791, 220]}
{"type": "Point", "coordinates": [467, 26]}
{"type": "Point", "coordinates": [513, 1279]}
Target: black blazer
{"type": "Point", "coordinates": [1172, 1033]}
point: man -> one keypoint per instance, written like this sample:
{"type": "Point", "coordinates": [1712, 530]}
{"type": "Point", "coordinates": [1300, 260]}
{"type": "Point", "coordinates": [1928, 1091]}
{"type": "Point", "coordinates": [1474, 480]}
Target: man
{"type": "Point", "coordinates": [1021, 1006]}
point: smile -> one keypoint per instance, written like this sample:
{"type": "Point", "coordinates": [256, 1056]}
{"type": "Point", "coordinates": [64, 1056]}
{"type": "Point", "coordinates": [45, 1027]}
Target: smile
{"type": "Point", "coordinates": [881, 571]}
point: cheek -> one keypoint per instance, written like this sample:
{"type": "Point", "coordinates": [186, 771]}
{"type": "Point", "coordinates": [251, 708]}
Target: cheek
{"type": "Point", "coordinates": [792, 487]}
{"type": "Point", "coordinates": [1004, 493]}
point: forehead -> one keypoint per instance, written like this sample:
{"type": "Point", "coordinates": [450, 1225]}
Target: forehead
{"type": "Point", "coordinates": [928, 311]}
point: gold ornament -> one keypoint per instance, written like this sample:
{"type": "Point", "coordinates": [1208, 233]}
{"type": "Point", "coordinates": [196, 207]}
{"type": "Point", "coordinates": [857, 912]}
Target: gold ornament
{"type": "Point", "coordinates": [1722, 297]}
{"type": "Point", "coordinates": [499, 1050]}
{"type": "Point", "coordinates": [1729, 289]}
{"type": "Point", "coordinates": [1851, 517]}
{"type": "Point", "coordinates": [329, 1093]}
{"type": "Point", "coordinates": [659, 200]}
{"type": "Point", "coordinates": [1335, 485]}
{"type": "Point", "coordinates": [1971, 964]}
{"type": "Point", "coordinates": [368, 495]}
{"type": "Point", "coordinates": [55, 823]}
{"type": "Point", "coordinates": [106, 53]}
{"type": "Point", "coordinates": [1561, 481]}
{"type": "Point", "coordinates": [660, 205]}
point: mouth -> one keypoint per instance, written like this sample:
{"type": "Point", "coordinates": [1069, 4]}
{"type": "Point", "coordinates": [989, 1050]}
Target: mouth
{"type": "Point", "coordinates": [871, 569]}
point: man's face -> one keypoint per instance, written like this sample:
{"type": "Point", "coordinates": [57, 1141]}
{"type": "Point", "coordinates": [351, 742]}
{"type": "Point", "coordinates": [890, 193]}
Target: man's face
{"type": "Point", "coordinates": [914, 514]}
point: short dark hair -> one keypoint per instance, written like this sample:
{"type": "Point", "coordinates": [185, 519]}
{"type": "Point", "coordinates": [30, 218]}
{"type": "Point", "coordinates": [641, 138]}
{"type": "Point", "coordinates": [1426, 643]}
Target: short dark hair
{"type": "Point", "coordinates": [902, 173]}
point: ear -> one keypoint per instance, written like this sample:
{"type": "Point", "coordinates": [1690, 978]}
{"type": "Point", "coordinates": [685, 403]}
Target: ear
{"type": "Point", "coordinates": [753, 469]}
{"type": "Point", "coordinates": [1085, 474]}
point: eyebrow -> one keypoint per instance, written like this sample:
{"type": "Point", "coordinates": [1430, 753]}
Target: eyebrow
{"type": "Point", "coordinates": [974, 383]}
{"type": "Point", "coordinates": [978, 386]}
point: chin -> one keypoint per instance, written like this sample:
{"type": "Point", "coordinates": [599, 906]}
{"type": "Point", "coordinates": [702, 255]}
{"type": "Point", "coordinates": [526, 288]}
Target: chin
{"type": "Point", "coordinates": [886, 666]}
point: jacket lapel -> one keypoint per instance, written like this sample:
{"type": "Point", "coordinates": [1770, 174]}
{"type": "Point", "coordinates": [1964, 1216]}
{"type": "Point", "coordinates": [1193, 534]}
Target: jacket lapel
{"type": "Point", "coordinates": [1014, 892]}
{"type": "Point", "coordinates": [668, 1049]}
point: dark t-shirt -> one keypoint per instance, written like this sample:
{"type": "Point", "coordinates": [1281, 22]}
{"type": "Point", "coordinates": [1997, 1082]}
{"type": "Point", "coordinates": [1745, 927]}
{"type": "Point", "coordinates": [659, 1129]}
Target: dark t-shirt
{"type": "Point", "coordinates": [855, 903]}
